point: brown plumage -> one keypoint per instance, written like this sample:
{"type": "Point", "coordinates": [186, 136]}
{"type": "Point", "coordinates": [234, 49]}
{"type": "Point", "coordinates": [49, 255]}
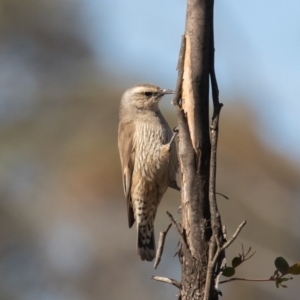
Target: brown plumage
{"type": "Point", "coordinates": [148, 158]}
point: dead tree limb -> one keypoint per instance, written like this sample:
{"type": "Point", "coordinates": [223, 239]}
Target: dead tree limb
{"type": "Point", "coordinates": [167, 280]}
{"type": "Point", "coordinates": [160, 246]}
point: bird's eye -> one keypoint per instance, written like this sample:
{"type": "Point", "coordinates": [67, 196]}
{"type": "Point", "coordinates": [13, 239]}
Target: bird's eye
{"type": "Point", "coordinates": [148, 94]}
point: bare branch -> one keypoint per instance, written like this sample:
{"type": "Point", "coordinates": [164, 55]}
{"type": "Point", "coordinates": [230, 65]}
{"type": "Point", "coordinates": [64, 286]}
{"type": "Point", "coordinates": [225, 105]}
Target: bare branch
{"type": "Point", "coordinates": [212, 261]}
{"type": "Point", "coordinates": [238, 230]}
{"type": "Point", "coordinates": [249, 279]}
{"type": "Point", "coordinates": [249, 256]}
{"type": "Point", "coordinates": [160, 247]}
{"type": "Point", "coordinates": [175, 224]}
{"type": "Point", "coordinates": [222, 195]}
{"type": "Point", "coordinates": [227, 244]}
{"type": "Point", "coordinates": [217, 281]}
{"type": "Point", "coordinates": [216, 250]}
{"type": "Point", "coordinates": [167, 280]}
{"type": "Point", "coordinates": [181, 236]}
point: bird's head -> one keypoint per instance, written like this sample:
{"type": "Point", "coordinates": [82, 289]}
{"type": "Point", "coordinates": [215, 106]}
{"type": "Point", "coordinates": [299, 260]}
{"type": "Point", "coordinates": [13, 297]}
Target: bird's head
{"type": "Point", "coordinates": [143, 97]}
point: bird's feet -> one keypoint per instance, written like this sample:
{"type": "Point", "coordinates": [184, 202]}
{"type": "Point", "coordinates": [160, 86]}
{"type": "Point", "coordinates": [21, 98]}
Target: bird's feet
{"type": "Point", "coordinates": [175, 132]}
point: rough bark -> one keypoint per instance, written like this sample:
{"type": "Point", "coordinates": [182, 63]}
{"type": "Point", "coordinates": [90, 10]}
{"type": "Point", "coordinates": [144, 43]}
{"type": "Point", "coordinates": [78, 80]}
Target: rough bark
{"type": "Point", "coordinates": [195, 147]}
{"type": "Point", "coordinates": [201, 234]}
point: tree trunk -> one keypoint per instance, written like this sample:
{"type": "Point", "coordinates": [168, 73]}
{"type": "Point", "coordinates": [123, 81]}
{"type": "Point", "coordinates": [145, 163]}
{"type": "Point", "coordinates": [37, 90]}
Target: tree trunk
{"type": "Point", "coordinates": [195, 148]}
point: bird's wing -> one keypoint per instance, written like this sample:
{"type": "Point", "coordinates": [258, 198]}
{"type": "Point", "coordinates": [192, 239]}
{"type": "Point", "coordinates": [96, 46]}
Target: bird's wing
{"type": "Point", "coordinates": [127, 155]}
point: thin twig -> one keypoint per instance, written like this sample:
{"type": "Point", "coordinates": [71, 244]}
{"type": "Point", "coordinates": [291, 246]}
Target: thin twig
{"type": "Point", "coordinates": [227, 244]}
{"type": "Point", "coordinates": [227, 198]}
{"type": "Point", "coordinates": [213, 261]}
{"type": "Point", "coordinates": [181, 237]}
{"type": "Point", "coordinates": [222, 265]}
{"type": "Point", "coordinates": [234, 236]}
{"type": "Point", "coordinates": [249, 256]}
{"type": "Point", "coordinates": [167, 280]}
{"type": "Point", "coordinates": [161, 244]}
{"type": "Point", "coordinates": [222, 258]}
{"type": "Point", "coordinates": [175, 224]}
{"type": "Point", "coordinates": [249, 279]}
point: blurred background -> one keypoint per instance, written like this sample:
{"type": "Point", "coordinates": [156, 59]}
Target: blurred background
{"type": "Point", "coordinates": [63, 67]}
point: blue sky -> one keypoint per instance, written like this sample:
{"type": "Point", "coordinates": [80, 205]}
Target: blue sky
{"type": "Point", "coordinates": [257, 54]}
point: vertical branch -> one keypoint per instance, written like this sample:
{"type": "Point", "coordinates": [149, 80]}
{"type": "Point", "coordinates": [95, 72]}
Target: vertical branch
{"type": "Point", "coordinates": [214, 131]}
{"type": "Point", "coordinates": [194, 145]}
{"type": "Point", "coordinates": [216, 224]}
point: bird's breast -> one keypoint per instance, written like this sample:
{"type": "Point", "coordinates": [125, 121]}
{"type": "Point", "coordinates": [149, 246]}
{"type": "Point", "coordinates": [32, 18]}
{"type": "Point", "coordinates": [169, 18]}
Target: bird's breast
{"type": "Point", "coordinates": [149, 161]}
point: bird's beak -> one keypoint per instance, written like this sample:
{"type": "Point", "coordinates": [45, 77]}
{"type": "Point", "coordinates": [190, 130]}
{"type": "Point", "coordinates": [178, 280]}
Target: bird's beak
{"type": "Point", "coordinates": [165, 91]}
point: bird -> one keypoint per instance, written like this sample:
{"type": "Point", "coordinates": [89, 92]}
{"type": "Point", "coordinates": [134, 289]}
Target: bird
{"type": "Point", "coordinates": [148, 159]}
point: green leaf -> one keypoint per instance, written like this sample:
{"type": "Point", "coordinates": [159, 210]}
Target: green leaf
{"type": "Point", "coordinates": [228, 272]}
{"type": "Point", "coordinates": [284, 279]}
{"type": "Point", "coordinates": [295, 269]}
{"type": "Point", "coordinates": [279, 280]}
{"type": "Point", "coordinates": [282, 265]}
{"type": "Point", "coordinates": [236, 262]}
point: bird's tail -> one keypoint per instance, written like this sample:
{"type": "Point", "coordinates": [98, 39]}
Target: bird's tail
{"type": "Point", "coordinates": [146, 242]}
